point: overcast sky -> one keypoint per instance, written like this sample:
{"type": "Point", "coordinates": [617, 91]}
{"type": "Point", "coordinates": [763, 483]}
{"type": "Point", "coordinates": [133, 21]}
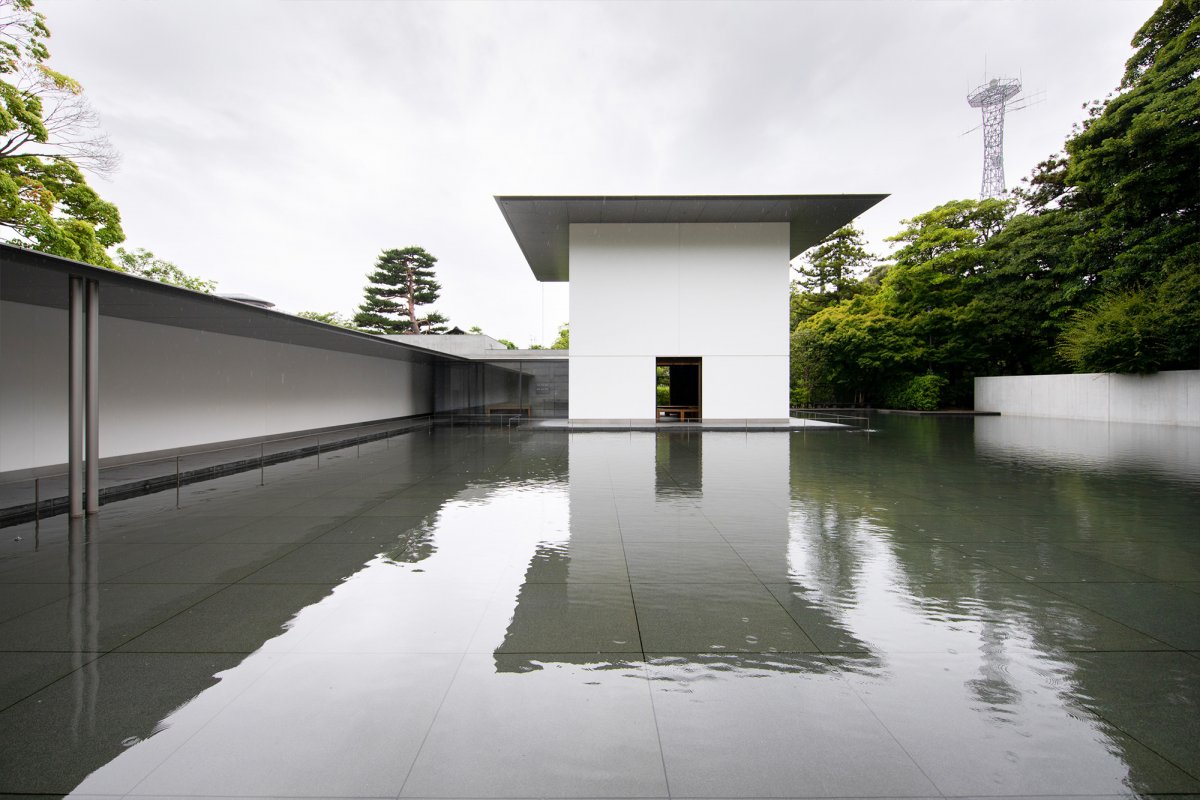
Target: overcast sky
{"type": "Point", "coordinates": [277, 147]}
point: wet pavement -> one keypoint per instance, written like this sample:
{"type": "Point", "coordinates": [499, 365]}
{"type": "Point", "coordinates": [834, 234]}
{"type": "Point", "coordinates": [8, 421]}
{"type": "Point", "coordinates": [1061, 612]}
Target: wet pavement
{"type": "Point", "coordinates": [962, 608]}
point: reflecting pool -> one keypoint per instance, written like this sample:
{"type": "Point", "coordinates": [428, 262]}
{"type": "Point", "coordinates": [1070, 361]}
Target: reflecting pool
{"type": "Point", "coordinates": [968, 608]}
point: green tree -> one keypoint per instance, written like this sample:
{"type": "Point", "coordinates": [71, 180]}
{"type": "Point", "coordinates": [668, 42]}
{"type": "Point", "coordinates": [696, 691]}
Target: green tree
{"type": "Point", "coordinates": [509, 345]}
{"type": "Point", "coordinates": [144, 264]}
{"type": "Point", "coordinates": [919, 321]}
{"type": "Point", "coordinates": [1100, 271]}
{"type": "Point", "coordinates": [1132, 178]}
{"type": "Point", "coordinates": [832, 271]}
{"type": "Point", "coordinates": [563, 342]}
{"type": "Point", "coordinates": [836, 265]}
{"type": "Point", "coordinates": [851, 353]}
{"type": "Point", "coordinates": [329, 318]}
{"type": "Point", "coordinates": [938, 272]}
{"type": "Point", "coordinates": [1119, 333]}
{"type": "Point", "coordinates": [1030, 289]}
{"type": "Point", "coordinates": [46, 132]}
{"type": "Point", "coordinates": [401, 283]}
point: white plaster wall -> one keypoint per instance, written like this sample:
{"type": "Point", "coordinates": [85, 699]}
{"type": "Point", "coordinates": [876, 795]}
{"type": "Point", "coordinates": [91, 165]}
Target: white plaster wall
{"type": "Point", "coordinates": [33, 385]}
{"type": "Point", "coordinates": [1165, 398]}
{"type": "Point", "coordinates": [717, 291]}
{"type": "Point", "coordinates": [163, 387]}
{"type": "Point", "coordinates": [611, 387]}
{"type": "Point", "coordinates": [745, 387]}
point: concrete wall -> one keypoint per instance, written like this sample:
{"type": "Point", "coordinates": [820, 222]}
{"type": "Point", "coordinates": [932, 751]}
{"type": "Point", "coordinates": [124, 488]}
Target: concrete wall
{"type": "Point", "coordinates": [717, 291]}
{"type": "Point", "coordinates": [163, 387]}
{"type": "Point", "coordinates": [473, 386]}
{"type": "Point", "coordinates": [1165, 398]}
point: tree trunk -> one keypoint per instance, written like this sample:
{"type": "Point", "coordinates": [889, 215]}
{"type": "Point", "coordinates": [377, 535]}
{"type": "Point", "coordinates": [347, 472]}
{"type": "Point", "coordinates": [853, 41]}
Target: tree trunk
{"type": "Point", "coordinates": [413, 327]}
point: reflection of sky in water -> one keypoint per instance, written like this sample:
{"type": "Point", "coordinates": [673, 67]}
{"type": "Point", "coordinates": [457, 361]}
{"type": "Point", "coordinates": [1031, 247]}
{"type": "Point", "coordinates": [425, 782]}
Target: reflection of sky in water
{"type": "Point", "coordinates": [938, 669]}
{"type": "Point", "coordinates": [396, 627]}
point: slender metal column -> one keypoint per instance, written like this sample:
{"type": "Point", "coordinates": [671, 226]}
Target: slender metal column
{"type": "Point", "coordinates": [93, 396]}
{"type": "Point", "coordinates": [75, 367]}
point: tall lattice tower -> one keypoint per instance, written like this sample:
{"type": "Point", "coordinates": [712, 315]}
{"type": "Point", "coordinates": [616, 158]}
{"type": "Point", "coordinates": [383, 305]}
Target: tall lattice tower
{"type": "Point", "coordinates": [993, 97]}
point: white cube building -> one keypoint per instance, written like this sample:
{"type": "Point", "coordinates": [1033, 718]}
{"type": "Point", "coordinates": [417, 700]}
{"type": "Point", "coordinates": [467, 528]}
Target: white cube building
{"type": "Point", "coordinates": [697, 284]}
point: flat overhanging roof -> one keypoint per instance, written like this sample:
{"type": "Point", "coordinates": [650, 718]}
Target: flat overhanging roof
{"type": "Point", "coordinates": [541, 225]}
{"type": "Point", "coordinates": [39, 279]}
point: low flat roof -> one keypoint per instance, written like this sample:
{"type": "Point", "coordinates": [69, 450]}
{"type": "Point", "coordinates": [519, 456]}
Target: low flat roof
{"type": "Point", "coordinates": [39, 279]}
{"type": "Point", "coordinates": [541, 225]}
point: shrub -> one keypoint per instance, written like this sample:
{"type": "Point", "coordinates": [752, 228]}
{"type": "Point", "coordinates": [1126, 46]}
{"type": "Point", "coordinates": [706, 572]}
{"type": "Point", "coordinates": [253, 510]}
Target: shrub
{"type": "Point", "coordinates": [1119, 333]}
{"type": "Point", "coordinates": [921, 393]}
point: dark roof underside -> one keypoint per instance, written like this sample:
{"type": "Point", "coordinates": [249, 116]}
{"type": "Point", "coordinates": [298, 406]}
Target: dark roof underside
{"type": "Point", "coordinates": [541, 225]}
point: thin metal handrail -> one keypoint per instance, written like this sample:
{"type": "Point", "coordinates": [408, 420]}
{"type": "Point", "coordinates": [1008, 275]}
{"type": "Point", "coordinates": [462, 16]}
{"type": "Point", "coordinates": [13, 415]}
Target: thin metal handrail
{"type": "Point", "coordinates": [415, 423]}
{"type": "Point", "coordinates": [261, 444]}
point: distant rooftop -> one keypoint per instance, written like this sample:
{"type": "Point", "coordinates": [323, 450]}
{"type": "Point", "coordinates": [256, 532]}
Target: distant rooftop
{"type": "Point", "coordinates": [248, 300]}
{"type": "Point", "coordinates": [541, 224]}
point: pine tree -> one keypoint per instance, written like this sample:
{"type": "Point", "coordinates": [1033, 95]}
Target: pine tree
{"type": "Point", "coordinates": [401, 283]}
{"type": "Point", "coordinates": [836, 264]}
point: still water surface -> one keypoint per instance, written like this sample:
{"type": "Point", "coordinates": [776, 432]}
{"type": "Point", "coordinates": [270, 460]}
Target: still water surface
{"type": "Point", "coordinates": [934, 608]}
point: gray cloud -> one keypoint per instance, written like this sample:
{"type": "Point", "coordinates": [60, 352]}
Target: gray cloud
{"type": "Point", "coordinates": [278, 146]}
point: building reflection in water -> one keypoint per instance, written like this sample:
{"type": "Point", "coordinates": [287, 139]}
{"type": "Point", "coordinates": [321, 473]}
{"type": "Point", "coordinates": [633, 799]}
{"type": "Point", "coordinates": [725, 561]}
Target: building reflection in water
{"type": "Point", "coordinates": [843, 597]}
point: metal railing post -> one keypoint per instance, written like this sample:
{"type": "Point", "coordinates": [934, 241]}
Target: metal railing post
{"type": "Point", "coordinates": [177, 481]}
{"type": "Point", "coordinates": [262, 472]}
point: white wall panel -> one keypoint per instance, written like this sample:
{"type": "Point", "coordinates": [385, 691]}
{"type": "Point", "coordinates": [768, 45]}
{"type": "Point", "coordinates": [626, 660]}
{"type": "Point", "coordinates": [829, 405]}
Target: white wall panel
{"type": "Point", "coordinates": [745, 387]}
{"type": "Point", "coordinates": [733, 290]}
{"type": "Point", "coordinates": [163, 387]}
{"type": "Point", "coordinates": [33, 384]}
{"type": "Point", "coordinates": [624, 289]}
{"type": "Point", "coordinates": [679, 289]}
{"type": "Point", "coordinates": [612, 387]}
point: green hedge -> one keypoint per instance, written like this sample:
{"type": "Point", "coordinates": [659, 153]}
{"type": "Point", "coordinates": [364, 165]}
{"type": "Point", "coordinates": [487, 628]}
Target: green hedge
{"type": "Point", "coordinates": [921, 393]}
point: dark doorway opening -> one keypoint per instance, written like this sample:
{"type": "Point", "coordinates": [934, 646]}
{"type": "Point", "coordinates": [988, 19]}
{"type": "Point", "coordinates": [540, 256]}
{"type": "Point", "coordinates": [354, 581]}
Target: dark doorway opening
{"type": "Point", "coordinates": [677, 389]}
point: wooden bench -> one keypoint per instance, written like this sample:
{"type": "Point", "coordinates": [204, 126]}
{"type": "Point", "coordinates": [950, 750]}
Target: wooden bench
{"type": "Point", "coordinates": [680, 413]}
{"type": "Point", "coordinates": [508, 408]}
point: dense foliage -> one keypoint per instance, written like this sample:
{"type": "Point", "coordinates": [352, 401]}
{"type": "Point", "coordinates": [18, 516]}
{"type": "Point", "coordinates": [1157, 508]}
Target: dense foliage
{"type": "Point", "coordinates": [144, 264]}
{"type": "Point", "coordinates": [329, 318]}
{"type": "Point", "coordinates": [47, 132]}
{"type": "Point", "coordinates": [401, 283]}
{"type": "Point", "coordinates": [1094, 266]}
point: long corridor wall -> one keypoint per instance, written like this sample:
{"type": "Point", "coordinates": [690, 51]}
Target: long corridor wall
{"type": "Point", "coordinates": [164, 387]}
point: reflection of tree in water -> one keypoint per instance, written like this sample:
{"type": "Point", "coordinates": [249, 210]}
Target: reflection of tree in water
{"type": "Point", "coordinates": [994, 688]}
{"type": "Point", "coordinates": [827, 541]}
{"type": "Point", "coordinates": [413, 545]}
{"type": "Point", "coordinates": [487, 469]}
{"type": "Point", "coordinates": [859, 511]}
